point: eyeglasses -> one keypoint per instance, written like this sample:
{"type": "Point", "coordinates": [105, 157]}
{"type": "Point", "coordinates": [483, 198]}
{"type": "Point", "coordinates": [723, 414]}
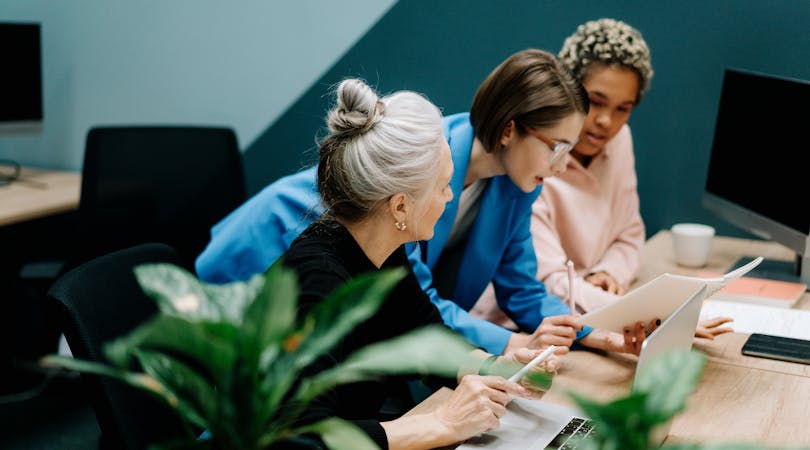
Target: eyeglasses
{"type": "Point", "coordinates": [558, 149]}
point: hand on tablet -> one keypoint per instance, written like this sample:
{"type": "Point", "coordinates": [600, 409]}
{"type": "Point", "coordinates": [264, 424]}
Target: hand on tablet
{"type": "Point", "coordinates": [630, 341]}
{"type": "Point", "coordinates": [710, 328]}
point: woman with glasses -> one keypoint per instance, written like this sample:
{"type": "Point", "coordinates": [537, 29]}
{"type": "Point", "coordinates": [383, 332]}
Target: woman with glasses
{"type": "Point", "coordinates": [525, 118]}
{"type": "Point", "coordinates": [590, 214]}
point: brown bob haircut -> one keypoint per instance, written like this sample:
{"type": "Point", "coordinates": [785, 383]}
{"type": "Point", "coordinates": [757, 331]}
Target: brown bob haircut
{"type": "Point", "coordinates": [530, 87]}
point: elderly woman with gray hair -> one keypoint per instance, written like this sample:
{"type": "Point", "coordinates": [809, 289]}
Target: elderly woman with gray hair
{"type": "Point", "coordinates": [383, 175]}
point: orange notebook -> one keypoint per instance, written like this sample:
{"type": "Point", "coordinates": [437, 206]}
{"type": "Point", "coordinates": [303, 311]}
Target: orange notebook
{"type": "Point", "coordinates": [761, 291]}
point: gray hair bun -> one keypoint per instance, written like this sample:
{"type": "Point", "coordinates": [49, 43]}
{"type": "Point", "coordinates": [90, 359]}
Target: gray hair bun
{"type": "Point", "coordinates": [358, 108]}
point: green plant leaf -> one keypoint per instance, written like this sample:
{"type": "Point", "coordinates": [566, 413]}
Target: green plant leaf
{"type": "Point", "coordinates": [176, 291]}
{"type": "Point", "coordinates": [429, 350]}
{"type": "Point", "coordinates": [271, 316]}
{"type": "Point", "coordinates": [201, 342]}
{"type": "Point", "coordinates": [197, 399]}
{"type": "Point", "coordinates": [135, 379]}
{"type": "Point", "coordinates": [506, 369]}
{"type": "Point", "coordinates": [327, 323]}
{"type": "Point", "coordinates": [737, 446]}
{"type": "Point", "coordinates": [339, 434]}
{"type": "Point", "coordinates": [185, 444]}
{"type": "Point", "coordinates": [542, 380]}
{"type": "Point", "coordinates": [659, 393]}
{"type": "Point", "coordinates": [233, 299]}
{"type": "Point", "coordinates": [273, 388]}
{"type": "Point", "coordinates": [345, 308]}
{"type": "Point", "coordinates": [620, 424]}
{"type": "Point", "coordinates": [679, 372]}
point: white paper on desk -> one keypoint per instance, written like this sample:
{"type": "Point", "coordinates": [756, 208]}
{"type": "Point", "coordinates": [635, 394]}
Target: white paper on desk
{"type": "Point", "coordinates": [658, 298]}
{"type": "Point", "coordinates": [761, 319]}
{"type": "Point", "coordinates": [525, 422]}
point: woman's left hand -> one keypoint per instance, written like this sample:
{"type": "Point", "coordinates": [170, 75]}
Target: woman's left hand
{"type": "Point", "coordinates": [710, 328]}
{"type": "Point", "coordinates": [606, 282]}
{"type": "Point", "coordinates": [628, 342]}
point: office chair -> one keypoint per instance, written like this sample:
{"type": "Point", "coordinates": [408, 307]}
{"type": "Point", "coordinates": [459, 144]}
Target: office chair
{"type": "Point", "coordinates": [140, 184]}
{"type": "Point", "coordinates": [166, 184]}
{"type": "Point", "coordinates": [97, 302]}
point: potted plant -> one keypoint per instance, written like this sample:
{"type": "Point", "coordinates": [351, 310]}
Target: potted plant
{"type": "Point", "coordinates": [227, 358]}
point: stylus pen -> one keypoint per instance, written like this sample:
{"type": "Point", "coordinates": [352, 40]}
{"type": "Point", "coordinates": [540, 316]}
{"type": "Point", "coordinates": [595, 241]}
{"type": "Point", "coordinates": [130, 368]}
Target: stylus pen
{"type": "Point", "coordinates": [571, 302]}
{"type": "Point", "coordinates": [537, 360]}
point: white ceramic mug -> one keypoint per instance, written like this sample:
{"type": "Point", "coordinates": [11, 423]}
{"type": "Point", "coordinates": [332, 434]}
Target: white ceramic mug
{"type": "Point", "coordinates": [692, 244]}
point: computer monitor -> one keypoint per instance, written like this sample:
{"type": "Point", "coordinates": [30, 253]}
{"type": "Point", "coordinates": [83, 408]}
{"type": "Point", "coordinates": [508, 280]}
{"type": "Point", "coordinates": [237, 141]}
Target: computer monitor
{"type": "Point", "coordinates": [755, 179]}
{"type": "Point", "coordinates": [20, 77]}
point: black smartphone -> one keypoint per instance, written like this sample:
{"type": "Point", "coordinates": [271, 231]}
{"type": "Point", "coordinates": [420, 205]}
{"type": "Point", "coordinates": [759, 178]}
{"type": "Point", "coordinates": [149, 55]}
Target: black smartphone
{"type": "Point", "coordinates": [777, 347]}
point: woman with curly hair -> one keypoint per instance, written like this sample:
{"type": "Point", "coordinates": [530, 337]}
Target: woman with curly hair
{"type": "Point", "coordinates": [590, 213]}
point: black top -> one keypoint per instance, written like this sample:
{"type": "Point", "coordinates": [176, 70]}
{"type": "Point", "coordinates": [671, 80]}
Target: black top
{"type": "Point", "coordinates": [326, 256]}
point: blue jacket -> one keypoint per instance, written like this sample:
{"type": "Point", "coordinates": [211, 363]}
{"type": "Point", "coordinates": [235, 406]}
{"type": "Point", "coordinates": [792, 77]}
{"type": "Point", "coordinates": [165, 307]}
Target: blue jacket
{"type": "Point", "coordinates": [499, 246]}
{"type": "Point", "coordinates": [253, 236]}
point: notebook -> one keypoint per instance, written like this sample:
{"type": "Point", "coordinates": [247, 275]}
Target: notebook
{"type": "Point", "coordinates": [538, 425]}
{"type": "Point", "coordinates": [781, 294]}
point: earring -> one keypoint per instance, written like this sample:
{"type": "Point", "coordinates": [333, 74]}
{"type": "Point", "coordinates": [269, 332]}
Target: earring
{"type": "Point", "coordinates": [401, 226]}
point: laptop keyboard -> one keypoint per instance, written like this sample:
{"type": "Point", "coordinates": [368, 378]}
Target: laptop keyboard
{"type": "Point", "coordinates": [577, 429]}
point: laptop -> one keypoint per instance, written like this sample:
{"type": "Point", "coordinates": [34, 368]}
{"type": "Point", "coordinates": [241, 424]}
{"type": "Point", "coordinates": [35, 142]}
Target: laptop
{"type": "Point", "coordinates": [539, 425]}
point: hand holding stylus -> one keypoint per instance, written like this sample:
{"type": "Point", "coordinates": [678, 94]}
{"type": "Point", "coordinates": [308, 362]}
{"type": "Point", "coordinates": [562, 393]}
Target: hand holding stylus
{"type": "Point", "coordinates": [533, 363]}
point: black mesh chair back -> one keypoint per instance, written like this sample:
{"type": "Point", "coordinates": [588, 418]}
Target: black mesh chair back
{"type": "Point", "coordinates": [97, 302]}
{"type": "Point", "coordinates": [157, 184]}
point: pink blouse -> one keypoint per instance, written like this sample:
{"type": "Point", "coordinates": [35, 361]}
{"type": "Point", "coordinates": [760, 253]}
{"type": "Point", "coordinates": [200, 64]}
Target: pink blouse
{"type": "Point", "coordinates": [591, 216]}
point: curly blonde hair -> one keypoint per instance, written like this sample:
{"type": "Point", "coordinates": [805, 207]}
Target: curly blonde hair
{"type": "Point", "coordinates": [608, 42]}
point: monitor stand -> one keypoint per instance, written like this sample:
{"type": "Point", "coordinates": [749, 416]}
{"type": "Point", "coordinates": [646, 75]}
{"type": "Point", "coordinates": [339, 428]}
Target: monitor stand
{"type": "Point", "coordinates": [773, 269]}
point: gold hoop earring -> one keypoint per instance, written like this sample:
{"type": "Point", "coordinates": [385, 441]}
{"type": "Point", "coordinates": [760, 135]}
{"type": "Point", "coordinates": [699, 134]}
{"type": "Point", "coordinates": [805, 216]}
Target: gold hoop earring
{"type": "Point", "coordinates": [401, 226]}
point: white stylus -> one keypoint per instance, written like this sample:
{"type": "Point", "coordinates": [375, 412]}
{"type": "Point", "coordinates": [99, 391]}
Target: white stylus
{"type": "Point", "coordinates": [537, 360]}
{"type": "Point", "coordinates": [572, 304]}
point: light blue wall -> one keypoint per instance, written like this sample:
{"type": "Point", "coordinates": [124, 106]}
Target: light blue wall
{"type": "Point", "coordinates": [239, 64]}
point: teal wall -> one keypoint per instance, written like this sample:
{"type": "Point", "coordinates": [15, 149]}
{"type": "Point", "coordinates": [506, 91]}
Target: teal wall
{"type": "Point", "coordinates": [199, 62]}
{"type": "Point", "coordinates": [265, 69]}
{"type": "Point", "coordinates": [445, 49]}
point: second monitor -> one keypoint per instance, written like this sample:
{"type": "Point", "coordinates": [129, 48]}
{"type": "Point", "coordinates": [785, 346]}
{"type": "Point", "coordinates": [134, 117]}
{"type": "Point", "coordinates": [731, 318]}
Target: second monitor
{"type": "Point", "coordinates": [755, 179]}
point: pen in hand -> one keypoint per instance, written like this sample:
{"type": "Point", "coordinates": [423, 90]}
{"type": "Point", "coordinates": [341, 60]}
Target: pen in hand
{"type": "Point", "coordinates": [571, 302]}
{"type": "Point", "coordinates": [537, 360]}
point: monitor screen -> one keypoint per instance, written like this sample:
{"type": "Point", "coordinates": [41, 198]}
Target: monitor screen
{"type": "Point", "coordinates": [21, 74]}
{"type": "Point", "coordinates": [755, 179]}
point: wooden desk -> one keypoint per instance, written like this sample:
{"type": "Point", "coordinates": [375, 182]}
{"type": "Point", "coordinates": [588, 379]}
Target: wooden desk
{"type": "Point", "coordinates": [738, 399]}
{"type": "Point", "coordinates": [39, 193]}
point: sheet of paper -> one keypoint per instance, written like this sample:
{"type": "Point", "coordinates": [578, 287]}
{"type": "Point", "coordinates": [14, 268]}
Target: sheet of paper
{"type": "Point", "coordinates": [657, 298]}
{"type": "Point", "coordinates": [528, 424]}
{"type": "Point", "coordinates": [761, 319]}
